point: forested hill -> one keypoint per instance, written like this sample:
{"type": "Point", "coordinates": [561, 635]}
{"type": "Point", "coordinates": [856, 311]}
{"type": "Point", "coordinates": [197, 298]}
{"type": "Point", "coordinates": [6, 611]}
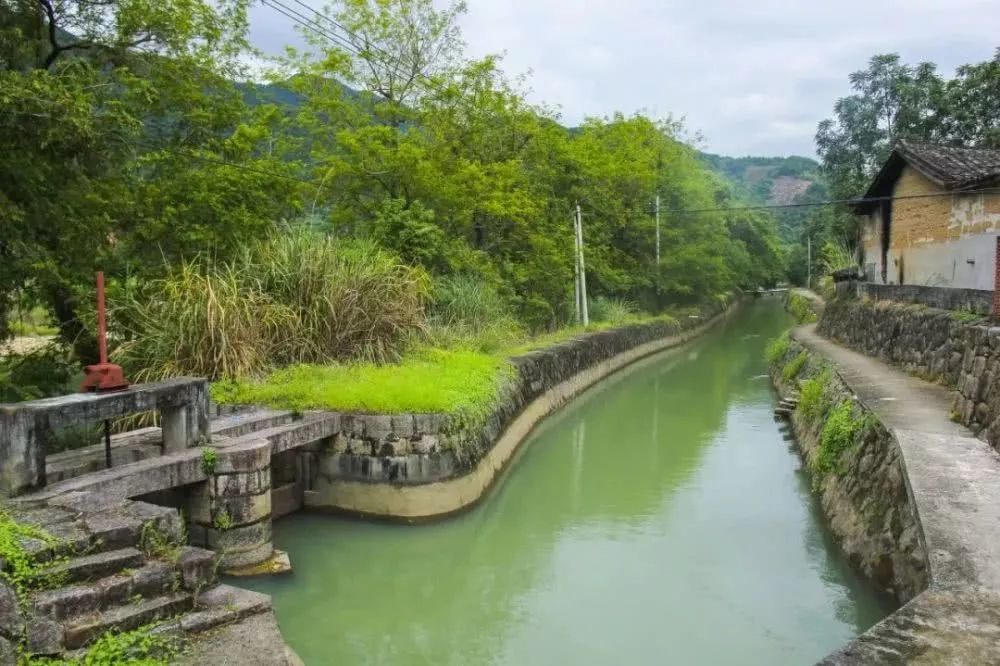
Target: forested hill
{"type": "Point", "coordinates": [774, 180]}
{"type": "Point", "coordinates": [767, 180]}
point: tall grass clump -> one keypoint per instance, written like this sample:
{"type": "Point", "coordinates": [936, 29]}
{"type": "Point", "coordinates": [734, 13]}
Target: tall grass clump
{"type": "Point", "coordinates": [298, 297]}
{"type": "Point", "coordinates": [612, 311]}
{"type": "Point", "coordinates": [351, 298]}
{"type": "Point", "coordinates": [465, 311]}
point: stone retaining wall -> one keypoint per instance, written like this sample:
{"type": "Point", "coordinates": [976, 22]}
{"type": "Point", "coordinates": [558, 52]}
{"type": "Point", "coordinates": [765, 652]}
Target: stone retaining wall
{"type": "Point", "coordinates": [933, 344]}
{"type": "Point", "coordinates": [944, 298]}
{"type": "Point", "coordinates": [367, 467]}
{"type": "Point", "coordinates": [866, 500]}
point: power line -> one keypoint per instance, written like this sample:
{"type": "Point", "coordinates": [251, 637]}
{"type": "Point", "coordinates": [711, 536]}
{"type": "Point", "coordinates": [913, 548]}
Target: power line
{"type": "Point", "coordinates": [353, 47]}
{"type": "Point", "coordinates": [310, 24]}
{"type": "Point", "coordinates": [831, 202]}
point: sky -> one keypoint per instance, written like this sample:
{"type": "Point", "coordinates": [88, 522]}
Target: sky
{"type": "Point", "coordinates": [751, 77]}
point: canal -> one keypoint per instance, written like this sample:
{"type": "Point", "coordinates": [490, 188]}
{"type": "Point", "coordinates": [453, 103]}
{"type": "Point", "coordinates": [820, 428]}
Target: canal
{"type": "Point", "coordinates": [659, 518]}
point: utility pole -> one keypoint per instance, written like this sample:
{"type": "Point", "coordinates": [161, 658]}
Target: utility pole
{"type": "Point", "coordinates": [657, 232]}
{"type": "Point", "coordinates": [576, 272]}
{"type": "Point", "coordinates": [583, 267]}
{"type": "Point", "coordinates": [809, 262]}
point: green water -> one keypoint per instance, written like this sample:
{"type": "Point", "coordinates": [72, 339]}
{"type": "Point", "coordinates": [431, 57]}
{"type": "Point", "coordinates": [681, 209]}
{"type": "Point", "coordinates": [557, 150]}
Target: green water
{"type": "Point", "coordinates": [660, 518]}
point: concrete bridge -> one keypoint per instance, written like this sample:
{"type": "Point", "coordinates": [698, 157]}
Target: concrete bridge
{"type": "Point", "coordinates": [134, 543]}
{"type": "Point", "coordinates": [229, 475]}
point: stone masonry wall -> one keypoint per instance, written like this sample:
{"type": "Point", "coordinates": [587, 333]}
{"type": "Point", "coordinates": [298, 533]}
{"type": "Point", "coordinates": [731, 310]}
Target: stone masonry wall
{"type": "Point", "coordinates": [979, 301]}
{"type": "Point", "coordinates": [865, 501]}
{"type": "Point", "coordinates": [412, 449]}
{"type": "Point", "coordinates": [933, 344]}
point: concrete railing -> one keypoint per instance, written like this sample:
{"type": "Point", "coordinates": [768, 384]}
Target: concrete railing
{"type": "Point", "coordinates": [26, 427]}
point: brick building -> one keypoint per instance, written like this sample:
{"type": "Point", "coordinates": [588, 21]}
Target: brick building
{"type": "Point", "coordinates": [944, 241]}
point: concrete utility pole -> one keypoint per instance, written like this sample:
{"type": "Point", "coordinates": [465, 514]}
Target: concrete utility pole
{"type": "Point", "coordinates": [809, 262]}
{"type": "Point", "coordinates": [583, 267]}
{"type": "Point", "coordinates": [576, 271]}
{"type": "Point", "coordinates": [657, 232]}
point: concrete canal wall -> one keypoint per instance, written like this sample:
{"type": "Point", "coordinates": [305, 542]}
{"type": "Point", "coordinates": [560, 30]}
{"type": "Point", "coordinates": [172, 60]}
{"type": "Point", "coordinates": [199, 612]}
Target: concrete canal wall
{"type": "Point", "coordinates": [419, 466]}
{"type": "Point", "coordinates": [864, 498]}
{"type": "Point", "coordinates": [912, 496]}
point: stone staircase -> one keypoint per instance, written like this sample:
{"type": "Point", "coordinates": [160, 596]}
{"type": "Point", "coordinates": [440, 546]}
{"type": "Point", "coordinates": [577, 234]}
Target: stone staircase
{"type": "Point", "coordinates": [118, 567]}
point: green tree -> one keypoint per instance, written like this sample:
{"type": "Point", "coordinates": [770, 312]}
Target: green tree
{"type": "Point", "coordinates": [117, 121]}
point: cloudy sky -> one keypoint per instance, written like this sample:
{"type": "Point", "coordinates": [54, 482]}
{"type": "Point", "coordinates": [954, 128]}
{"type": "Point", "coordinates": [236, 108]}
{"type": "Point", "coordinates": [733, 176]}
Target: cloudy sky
{"type": "Point", "coordinates": [752, 77]}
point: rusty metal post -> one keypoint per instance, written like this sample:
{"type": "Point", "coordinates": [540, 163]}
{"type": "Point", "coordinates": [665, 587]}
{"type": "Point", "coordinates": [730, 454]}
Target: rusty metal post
{"type": "Point", "coordinates": [104, 376]}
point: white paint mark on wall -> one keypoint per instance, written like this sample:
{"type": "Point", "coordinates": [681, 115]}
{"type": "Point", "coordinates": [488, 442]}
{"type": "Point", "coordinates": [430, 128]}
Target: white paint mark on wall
{"type": "Point", "coordinates": [968, 215]}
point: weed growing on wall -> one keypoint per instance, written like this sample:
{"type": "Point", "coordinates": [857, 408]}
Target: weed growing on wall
{"type": "Point", "coordinates": [801, 308]}
{"type": "Point", "coordinates": [139, 647]}
{"type": "Point", "coordinates": [794, 367]}
{"type": "Point", "coordinates": [777, 349]}
{"type": "Point", "coordinates": [223, 521]}
{"type": "Point", "coordinates": [209, 458]}
{"type": "Point", "coordinates": [966, 316]}
{"type": "Point", "coordinates": [813, 402]}
{"type": "Point", "coordinates": [840, 432]}
{"type": "Point", "coordinates": [20, 569]}
{"type": "Point", "coordinates": [155, 543]}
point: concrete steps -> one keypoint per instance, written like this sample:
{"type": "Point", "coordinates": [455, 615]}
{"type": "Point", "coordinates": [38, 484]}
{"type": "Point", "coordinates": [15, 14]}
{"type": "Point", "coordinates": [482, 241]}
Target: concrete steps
{"type": "Point", "coordinates": [125, 618]}
{"type": "Point", "coordinates": [118, 569]}
{"type": "Point", "coordinates": [98, 565]}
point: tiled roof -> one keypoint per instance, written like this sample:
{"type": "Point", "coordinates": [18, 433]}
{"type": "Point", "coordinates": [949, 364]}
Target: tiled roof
{"type": "Point", "coordinates": [953, 168]}
{"type": "Point", "coordinates": [950, 167]}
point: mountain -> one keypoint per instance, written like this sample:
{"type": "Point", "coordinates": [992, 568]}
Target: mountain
{"type": "Point", "coordinates": [768, 180]}
{"type": "Point", "coordinates": [774, 181]}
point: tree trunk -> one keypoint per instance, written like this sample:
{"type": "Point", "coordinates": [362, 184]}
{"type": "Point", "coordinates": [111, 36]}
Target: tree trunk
{"type": "Point", "coordinates": [71, 329]}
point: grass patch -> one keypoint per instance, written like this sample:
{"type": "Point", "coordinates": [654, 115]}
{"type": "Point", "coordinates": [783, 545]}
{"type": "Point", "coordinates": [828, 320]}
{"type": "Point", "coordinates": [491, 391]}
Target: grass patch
{"type": "Point", "coordinates": [965, 316]}
{"type": "Point", "coordinates": [20, 569]}
{"type": "Point", "coordinates": [794, 367]}
{"type": "Point", "coordinates": [801, 308]}
{"type": "Point", "coordinates": [812, 397]}
{"type": "Point", "coordinates": [840, 432]}
{"type": "Point", "coordinates": [777, 349]}
{"type": "Point", "coordinates": [429, 380]}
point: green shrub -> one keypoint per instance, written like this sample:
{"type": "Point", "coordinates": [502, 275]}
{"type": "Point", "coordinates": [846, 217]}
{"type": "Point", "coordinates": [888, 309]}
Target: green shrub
{"type": "Point", "coordinates": [300, 297]}
{"type": "Point", "coordinates": [43, 373]}
{"type": "Point", "coordinates": [794, 367]}
{"type": "Point", "coordinates": [777, 349]}
{"type": "Point", "coordinates": [839, 434]}
{"type": "Point", "coordinates": [812, 396]}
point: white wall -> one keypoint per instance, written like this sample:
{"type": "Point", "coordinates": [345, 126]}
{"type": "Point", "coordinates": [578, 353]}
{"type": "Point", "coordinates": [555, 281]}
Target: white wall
{"type": "Point", "coordinates": [947, 264]}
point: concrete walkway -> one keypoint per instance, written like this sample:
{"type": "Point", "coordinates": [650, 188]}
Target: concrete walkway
{"type": "Point", "coordinates": [816, 299]}
{"type": "Point", "coordinates": [954, 482]}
